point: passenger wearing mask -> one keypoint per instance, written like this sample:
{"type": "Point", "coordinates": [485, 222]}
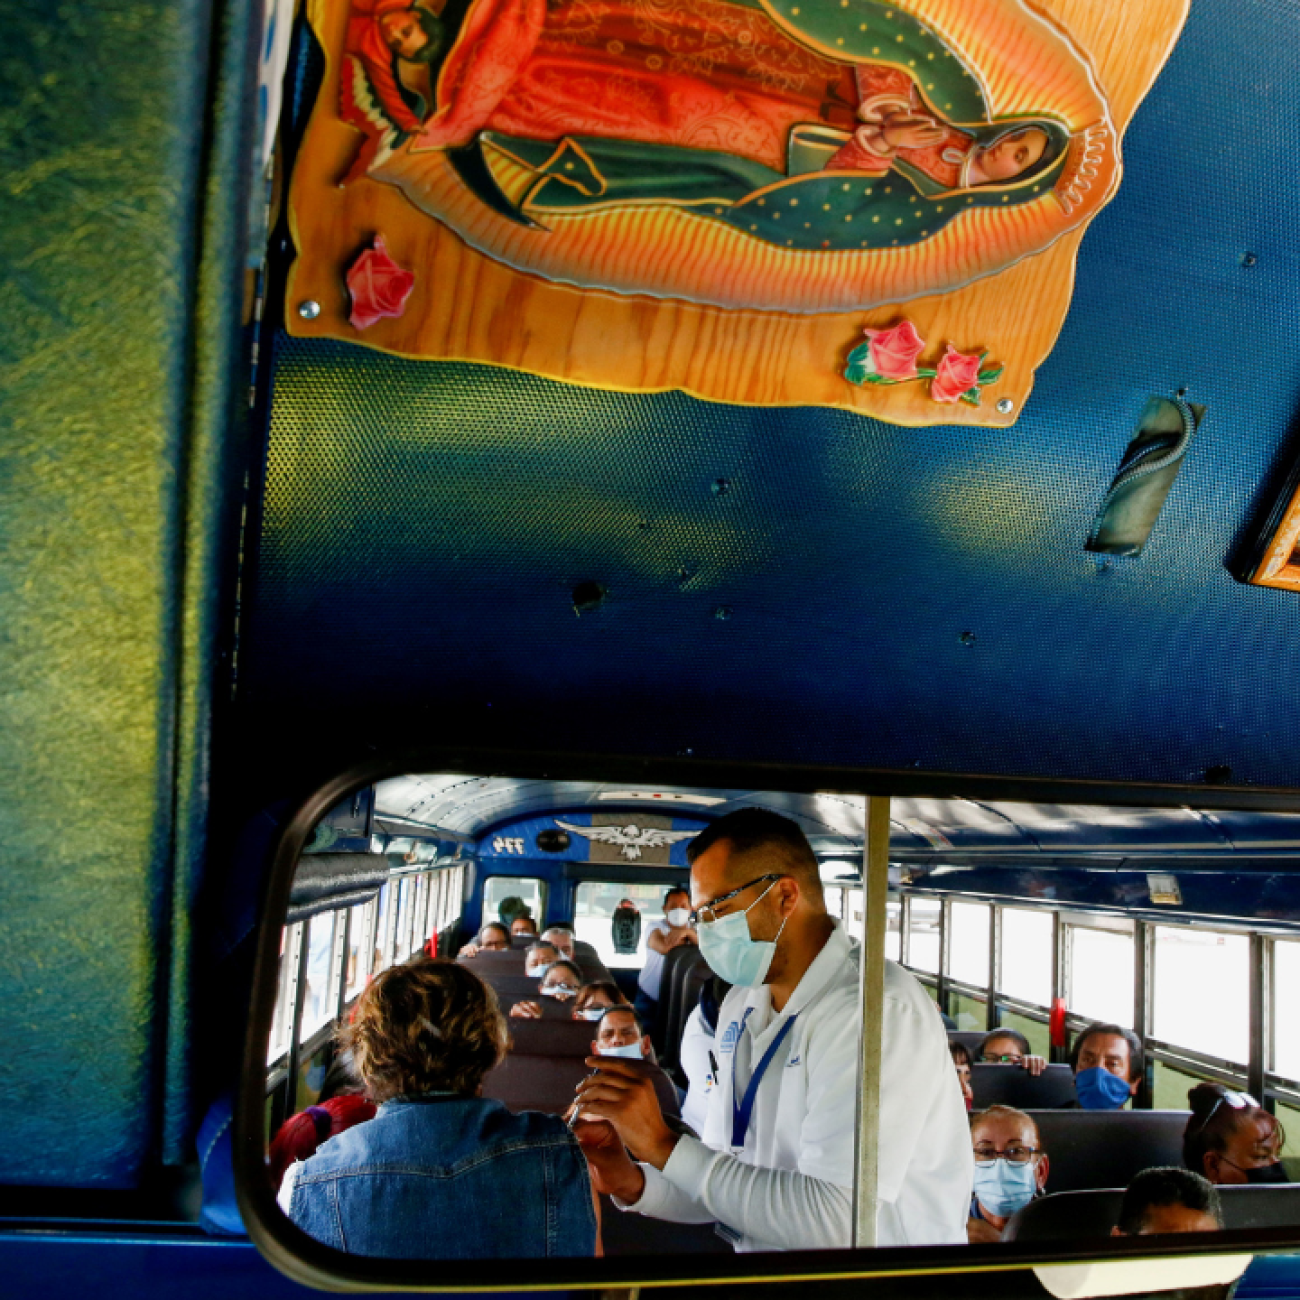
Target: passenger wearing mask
{"type": "Point", "coordinates": [1009, 1047]}
{"type": "Point", "coordinates": [561, 981]}
{"type": "Point", "coordinates": [1010, 1170]}
{"type": "Point", "coordinates": [523, 927]}
{"type": "Point", "coordinates": [540, 958]}
{"type": "Point", "coordinates": [1168, 1200]}
{"type": "Point", "coordinates": [1231, 1139]}
{"type": "Point", "coordinates": [596, 998]}
{"type": "Point", "coordinates": [674, 930]}
{"type": "Point", "coordinates": [562, 938]}
{"type": "Point", "coordinates": [493, 937]}
{"type": "Point", "coordinates": [401, 1186]}
{"type": "Point", "coordinates": [961, 1061]}
{"type": "Point", "coordinates": [775, 1165]}
{"type": "Point", "coordinates": [1107, 1061]}
{"type": "Point", "coordinates": [620, 1034]}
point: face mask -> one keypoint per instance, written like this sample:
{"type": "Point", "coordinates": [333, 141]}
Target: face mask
{"type": "Point", "coordinates": [730, 952]}
{"type": "Point", "coordinates": [632, 1051]}
{"type": "Point", "coordinates": [1273, 1173]}
{"type": "Point", "coordinates": [1003, 1188]}
{"type": "Point", "coordinates": [539, 970]}
{"type": "Point", "coordinates": [678, 916]}
{"type": "Point", "coordinates": [1098, 1089]}
{"type": "Point", "coordinates": [593, 1013]}
{"type": "Point", "coordinates": [557, 990]}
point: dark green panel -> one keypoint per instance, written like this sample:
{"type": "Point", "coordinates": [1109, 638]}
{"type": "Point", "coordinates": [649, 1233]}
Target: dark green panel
{"type": "Point", "coordinates": [101, 137]}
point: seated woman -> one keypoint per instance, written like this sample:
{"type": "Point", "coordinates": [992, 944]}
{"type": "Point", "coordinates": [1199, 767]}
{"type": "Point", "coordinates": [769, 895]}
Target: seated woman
{"type": "Point", "coordinates": [1009, 1047]}
{"type": "Point", "coordinates": [1230, 1138]}
{"type": "Point", "coordinates": [301, 1135]}
{"type": "Point", "coordinates": [1010, 1169]}
{"type": "Point", "coordinates": [560, 980]}
{"type": "Point", "coordinates": [596, 998]}
{"type": "Point", "coordinates": [440, 1173]}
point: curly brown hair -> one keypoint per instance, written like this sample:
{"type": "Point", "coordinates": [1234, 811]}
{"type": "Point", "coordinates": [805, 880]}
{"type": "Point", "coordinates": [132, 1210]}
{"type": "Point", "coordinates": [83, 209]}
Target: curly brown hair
{"type": "Point", "coordinates": [431, 1026]}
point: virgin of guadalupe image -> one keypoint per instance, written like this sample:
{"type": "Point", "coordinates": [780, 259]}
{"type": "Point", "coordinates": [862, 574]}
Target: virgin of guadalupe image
{"type": "Point", "coordinates": [805, 155]}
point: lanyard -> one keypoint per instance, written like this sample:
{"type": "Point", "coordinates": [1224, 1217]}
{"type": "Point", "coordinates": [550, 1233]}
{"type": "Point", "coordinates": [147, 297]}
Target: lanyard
{"type": "Point", "coordinates": [740, 1114]}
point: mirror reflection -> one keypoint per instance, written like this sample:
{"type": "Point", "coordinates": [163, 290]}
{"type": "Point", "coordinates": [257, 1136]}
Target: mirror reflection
{"type": "Point", "coordinates": [523, 1019]}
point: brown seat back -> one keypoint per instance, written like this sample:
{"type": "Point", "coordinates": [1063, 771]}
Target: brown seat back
{"type": "Point", "coordinates": [548, 1083]}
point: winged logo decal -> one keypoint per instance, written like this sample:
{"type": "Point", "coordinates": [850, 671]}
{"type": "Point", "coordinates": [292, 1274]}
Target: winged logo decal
{"type": "Point", "coordinates": [629, 839]}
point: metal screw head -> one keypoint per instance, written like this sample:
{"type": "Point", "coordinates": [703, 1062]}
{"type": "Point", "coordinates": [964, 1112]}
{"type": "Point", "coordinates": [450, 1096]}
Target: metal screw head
{"type": "Point", "coordinates": [309, 309]}
{"type": "Point", "coordinates": [1248, 259]}
{"type": "Point", "coordinates": [722, 613]}
{"type": "Point", "coordinates": [721, 486]}
{"type": "Point", "coordinates": [1005, 406]}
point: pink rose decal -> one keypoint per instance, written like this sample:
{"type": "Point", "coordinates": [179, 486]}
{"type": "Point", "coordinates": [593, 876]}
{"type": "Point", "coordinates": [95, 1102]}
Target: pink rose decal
{"type": "Point", "coordinates": [957, 374]}
{"type": "Point", "coordinates": [887, 357]}
{"type": "Point", "coordinates": [894, 351]}
{"type": "Point", "coordinates": [379, 287]}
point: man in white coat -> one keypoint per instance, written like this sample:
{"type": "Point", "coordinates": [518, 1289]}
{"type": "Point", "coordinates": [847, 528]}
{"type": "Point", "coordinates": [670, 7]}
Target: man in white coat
{"type": "Point", "coordinates": [775, 1166]}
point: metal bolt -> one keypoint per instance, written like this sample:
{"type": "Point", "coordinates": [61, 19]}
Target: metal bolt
{"type": "Point", "coordinates": [721, 486]}
{"type": "Point", "coordinates": [309, 309]}
{"type": "Point", "coordinates": [967, 639]}
{"type": "Point", "coordinates": [723, 612]}
{"type": "Point", "coordinates": [1248, 259]}
{"type": "Point", "coordinates": [1005, 406]}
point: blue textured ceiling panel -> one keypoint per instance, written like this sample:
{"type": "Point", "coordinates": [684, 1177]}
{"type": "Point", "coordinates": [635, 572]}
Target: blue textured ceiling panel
{"type": "Point", "coordinates": [859, 594]}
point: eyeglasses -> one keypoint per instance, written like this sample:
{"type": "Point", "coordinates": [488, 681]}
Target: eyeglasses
{"type": "Point", "coordinates": [1004, 1058]}
{"type": "Point", "coordinates": [1237, 1100]}
{"type": "Point", "coordinates": [708, 913]}
{"type": "Point", "coordinates": [1014, 1155]}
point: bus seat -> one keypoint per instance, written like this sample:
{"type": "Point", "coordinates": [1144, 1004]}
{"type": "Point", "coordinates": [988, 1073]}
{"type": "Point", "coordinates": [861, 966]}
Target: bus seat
{"type": "Point", "coordinates": [677, 963]}
{"type": "Point", "coordinates": [1065, 1215]}
{"type": "Point", "coordinates": [1105, 1148]}
{"type": "Point", "coordinates": [627, 1233]}
{"type": "Point", "coordinates": [970, 1039]}
{"type": "Point", "coordinates": [510, 962]}
{"type": "Point", "coordinates": [526, 1082]}
{"type": "Point", "coordinates": [548, 1037]}
{"type": "Point", "coordinates": [686, 997]}
{"type": "Point", "coordinates": [1009, 1085]}
{"type": "Point", "coordinates": [523, 988]}
{"type": "Point", "coordinates": [586, 954]}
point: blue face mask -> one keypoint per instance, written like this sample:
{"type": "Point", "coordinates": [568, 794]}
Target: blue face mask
{"type": "Point", "coordinates": [1003, 1188]}
{"type": "Point", "coordinates": [730, 952]}
{"type": "Point", "coordinates": [1098, 1089]}
{"type": "Point", "coordinates": [540, 969]}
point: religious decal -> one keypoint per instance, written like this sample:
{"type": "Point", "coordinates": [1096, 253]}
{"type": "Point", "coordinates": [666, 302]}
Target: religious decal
{"type": "Point", "coordinates": [676, 158]}
{"type": "Point", "coordinates": [889, 356]}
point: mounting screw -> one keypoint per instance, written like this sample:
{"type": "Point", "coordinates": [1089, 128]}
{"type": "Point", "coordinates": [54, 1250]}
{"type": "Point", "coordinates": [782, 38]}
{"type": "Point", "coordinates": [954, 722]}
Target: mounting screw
{"type": "Point", "coordinates": [1248, 259]}
{"type": "Point", "coordinates": [309, 310]}
{"type": "Point", "coordinates": [967, 639]}
{"type": "Point", "coordinates": [721, 486]}
{"type": "Point", "coordinates": [1005, 406]}
{"type": "Point", "coordinates": [723, 613]}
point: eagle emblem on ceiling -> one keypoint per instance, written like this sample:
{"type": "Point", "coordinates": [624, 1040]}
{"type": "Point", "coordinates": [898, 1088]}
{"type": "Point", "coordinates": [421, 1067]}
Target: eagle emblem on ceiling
{"type": "Point", "coordinates": [631, 839]}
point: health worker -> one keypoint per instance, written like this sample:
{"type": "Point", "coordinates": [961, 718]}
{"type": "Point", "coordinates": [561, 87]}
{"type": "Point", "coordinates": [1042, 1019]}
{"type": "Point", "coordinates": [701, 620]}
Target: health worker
{"type": "Point", "coordinates": [774, 1167]}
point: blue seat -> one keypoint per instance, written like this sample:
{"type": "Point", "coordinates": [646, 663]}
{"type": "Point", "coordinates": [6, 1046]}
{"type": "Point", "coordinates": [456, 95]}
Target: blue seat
{"type": "Point", "coordinates": [1010, 1085]}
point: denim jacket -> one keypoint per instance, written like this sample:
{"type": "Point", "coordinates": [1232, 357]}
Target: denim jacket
{"type": "Point", "coordinates": [448, 1177]}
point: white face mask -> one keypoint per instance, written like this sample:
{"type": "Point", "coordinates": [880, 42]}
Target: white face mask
{"type": "Point", "coordinates": [632, 1051]}
{"type": "Point", "coordinates": [677, 916]}
{"type": "Point", "coordinates": [593, 1013]}
{"type": "Point", "coordinates": [541, 968]}
{"type": "Point", "coordinates": [555, 990]}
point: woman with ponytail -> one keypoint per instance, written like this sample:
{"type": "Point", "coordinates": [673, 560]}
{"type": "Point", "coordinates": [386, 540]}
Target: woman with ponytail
{"type": "Point", "coordinates": [1230, 1138]}
{"type": "Point", "coordinates": [301, 1134]}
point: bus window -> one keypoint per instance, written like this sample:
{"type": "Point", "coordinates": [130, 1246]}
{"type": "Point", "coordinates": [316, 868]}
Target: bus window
{"type": "Point", "coordinates": [360, 943]}
{"type": "Point", "coordinates": [1286, 1008]}
{"type": "Point", "coordinates": [1100, 974]}
{"type": "Point", "coordinates": [318, 1006]}
{"type": "Point", "coordinates": [923, 940]}
{"type": "Point", "coordinates": [969, 945]}
{"type": "Point", "coordinates": [594, 906]}
{"type": "Point", "coordinates": [1202, 991]}
{"type": "Point", "coordinates": [1026, 958]}
{"type": "Point", "coordinates": [496, 889]}
{"type": "Point", "coordinates": [286, 992]}
{"type": "Point", "coordinates": [893, 929]}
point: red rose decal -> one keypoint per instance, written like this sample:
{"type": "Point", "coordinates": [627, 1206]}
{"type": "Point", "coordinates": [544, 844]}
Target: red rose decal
{"type": "Point", "coordinates": [379, 287]}
{"type": "Point", "coordinates": [894, 351]}
{"type": "Point", "coordinates": [956, 375]}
